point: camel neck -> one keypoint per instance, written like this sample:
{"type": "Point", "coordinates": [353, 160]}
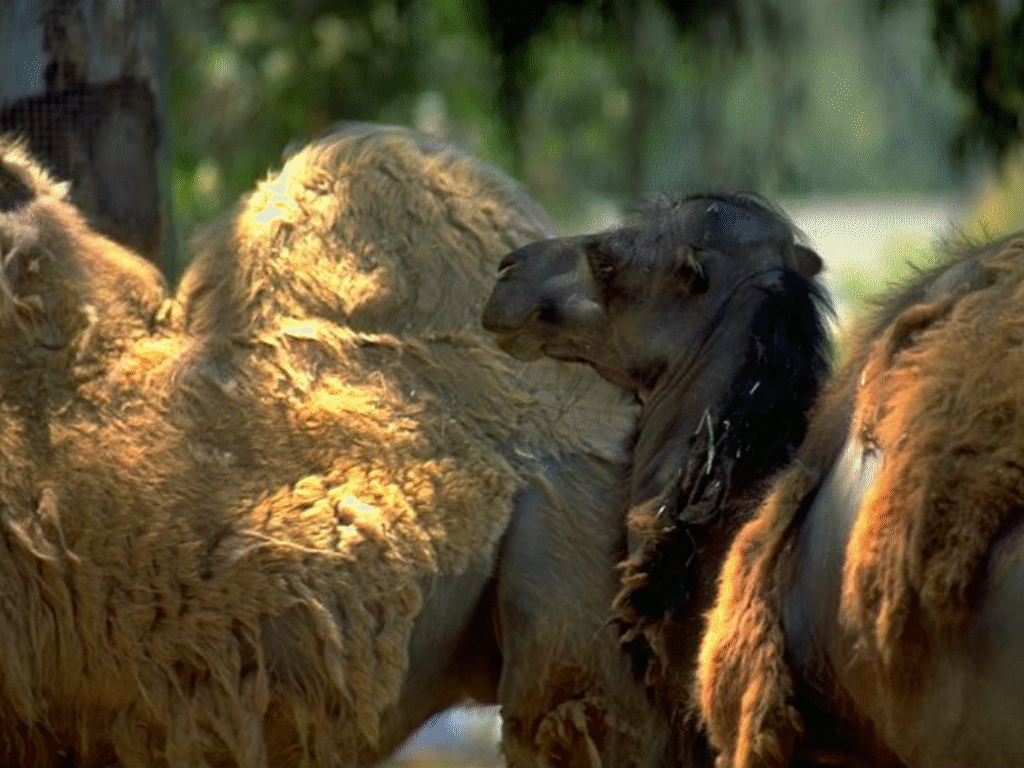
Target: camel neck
{"type": "Point", "coordinates": [727, 413]}
{"type": "Point", "coordinates": [681, 424]}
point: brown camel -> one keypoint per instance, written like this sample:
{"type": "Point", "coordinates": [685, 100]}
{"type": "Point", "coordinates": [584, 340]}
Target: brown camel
{"type": "Point", "coordinates": [870, 611]}
{"type": "Point", "coordinates": [709, 310]}
{"type": "Point", "coordinates": [288, 514]}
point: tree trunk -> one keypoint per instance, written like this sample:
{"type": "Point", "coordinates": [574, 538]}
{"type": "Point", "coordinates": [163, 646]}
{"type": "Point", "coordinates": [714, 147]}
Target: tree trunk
{"type": "Point", "coordinates": [83, 82]}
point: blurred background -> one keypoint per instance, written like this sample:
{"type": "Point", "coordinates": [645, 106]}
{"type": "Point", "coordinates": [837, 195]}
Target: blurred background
{"type": "Point", "coordinates": [876, 123]}
{"type": "Point", "coordinates": [879, 125]}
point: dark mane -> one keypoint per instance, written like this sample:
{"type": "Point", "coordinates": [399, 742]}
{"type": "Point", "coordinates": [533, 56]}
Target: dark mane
{"type": "Point", "coordinates": [750, 432]}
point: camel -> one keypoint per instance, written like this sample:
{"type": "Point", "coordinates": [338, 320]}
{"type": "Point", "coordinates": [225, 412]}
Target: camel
{"type": "Point", "coordinates": [869, 612]}
{"type": "Point", "coordinates": [286, 514]}
{"type": "Point", "coordinates": [708, 308]}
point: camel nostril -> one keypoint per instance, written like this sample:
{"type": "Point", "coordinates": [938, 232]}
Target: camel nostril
{"type": "Point", "coordinates": [549, 312]}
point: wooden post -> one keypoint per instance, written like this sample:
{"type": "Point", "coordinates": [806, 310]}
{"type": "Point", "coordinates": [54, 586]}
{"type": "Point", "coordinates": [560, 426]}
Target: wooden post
{"type": "Point", "coordinates": [83, 81]}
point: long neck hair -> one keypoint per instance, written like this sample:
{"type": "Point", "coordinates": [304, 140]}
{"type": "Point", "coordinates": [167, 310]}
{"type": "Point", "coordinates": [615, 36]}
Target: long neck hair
{"type": "Point", "coordinates": [719, 450]}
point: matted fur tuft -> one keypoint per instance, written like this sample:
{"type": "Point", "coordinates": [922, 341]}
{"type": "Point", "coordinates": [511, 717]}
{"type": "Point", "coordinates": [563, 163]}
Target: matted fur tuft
{"type": "Point", "coordinates": [744, 687]}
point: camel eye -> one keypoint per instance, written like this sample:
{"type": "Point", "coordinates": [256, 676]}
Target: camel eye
{"type": "Point", "coordinates": [691, 272]}
{"type": "Point", "coordinates": [603, 263]}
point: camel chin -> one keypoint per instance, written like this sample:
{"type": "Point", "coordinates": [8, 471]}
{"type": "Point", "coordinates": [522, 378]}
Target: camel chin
{"type": "Point", "coordinates": [518, 347]}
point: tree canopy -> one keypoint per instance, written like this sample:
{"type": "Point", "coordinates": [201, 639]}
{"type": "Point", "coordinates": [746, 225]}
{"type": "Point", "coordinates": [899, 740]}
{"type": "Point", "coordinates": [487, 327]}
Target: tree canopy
{"type": "Point", "coordinates": [981, 46]}
{"type": "Point", "coordinates": [594, 104]}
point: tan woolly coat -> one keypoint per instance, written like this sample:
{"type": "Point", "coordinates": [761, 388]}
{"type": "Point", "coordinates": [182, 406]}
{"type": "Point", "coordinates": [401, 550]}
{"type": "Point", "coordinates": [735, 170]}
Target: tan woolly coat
{"type": "Point", "coordinates": [886, 562]}
{"type": "Point", "coordinates": [222, 513]}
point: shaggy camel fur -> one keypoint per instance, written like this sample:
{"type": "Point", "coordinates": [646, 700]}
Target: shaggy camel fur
{"type": "Point", "coordinates": [256, 524]}
{"type": "Point", "coordinates": [707, 307]}
{"type": "Point", "coordinates": [904, 641]}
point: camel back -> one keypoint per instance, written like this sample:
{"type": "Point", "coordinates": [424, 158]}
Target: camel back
{"type": "Point", "coordinates": [385, 231]}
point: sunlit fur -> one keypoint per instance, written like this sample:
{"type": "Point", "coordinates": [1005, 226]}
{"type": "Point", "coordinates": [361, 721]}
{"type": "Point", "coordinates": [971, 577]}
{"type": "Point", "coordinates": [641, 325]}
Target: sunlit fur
{"type": "Point", "coordinates": [222, 513]}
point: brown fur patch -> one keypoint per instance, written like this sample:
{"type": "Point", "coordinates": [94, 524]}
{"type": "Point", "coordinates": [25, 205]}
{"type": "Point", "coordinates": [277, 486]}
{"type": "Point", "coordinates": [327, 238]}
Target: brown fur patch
{"type": "Point", "coordinates": [942, 398]}
{"type": "Point", "coordinates": [744, 687]}
{"type": "Point", "coordinates": [46, 299]}
{"type": "Point", "coordinates": [219, 514]}
{"type": "Point", "coordinates": [933, 382]}
{"type": "Point", "coordinates": [569, 734]}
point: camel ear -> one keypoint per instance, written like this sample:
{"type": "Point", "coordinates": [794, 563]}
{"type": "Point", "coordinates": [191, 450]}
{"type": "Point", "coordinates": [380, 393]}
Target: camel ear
{"type": "Point", "coordinates": [690, 269]}
{"type": "Point", "coordinates": [807, 262]}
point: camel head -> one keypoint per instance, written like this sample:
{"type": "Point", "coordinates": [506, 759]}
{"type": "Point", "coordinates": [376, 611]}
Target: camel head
{"type": "Point", "coordinates": [708, 309]}
{"type": "Point", "coordinates": [628, 301]}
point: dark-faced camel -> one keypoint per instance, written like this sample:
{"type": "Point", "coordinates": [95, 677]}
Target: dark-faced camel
{"type": "Point", "coordinates": [870, 612]}
{"type": "Point", "coordinates": [708, 309]}
{"type": "Point", "coordinates": [284, 516]}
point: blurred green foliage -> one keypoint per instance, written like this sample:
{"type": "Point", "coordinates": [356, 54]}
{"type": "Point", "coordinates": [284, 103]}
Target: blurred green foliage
{"type": "Point", "coordinates": [999, 205]}
{"type": "Point", "coordinates": [615, 100]}
{"type": "Point", "coordinates": [981, 46]}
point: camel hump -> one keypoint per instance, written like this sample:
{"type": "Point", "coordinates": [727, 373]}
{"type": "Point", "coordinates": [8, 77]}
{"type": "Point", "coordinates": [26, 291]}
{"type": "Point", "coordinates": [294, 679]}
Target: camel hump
{"type": "Point", "coordinates": [373, 227]}
{"type": "Point", "coordinates": [55, 269]}
{"type": "Point", "coordinates": [941, 397]}
{"type": "Point", "coordinates": [530, 213]}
